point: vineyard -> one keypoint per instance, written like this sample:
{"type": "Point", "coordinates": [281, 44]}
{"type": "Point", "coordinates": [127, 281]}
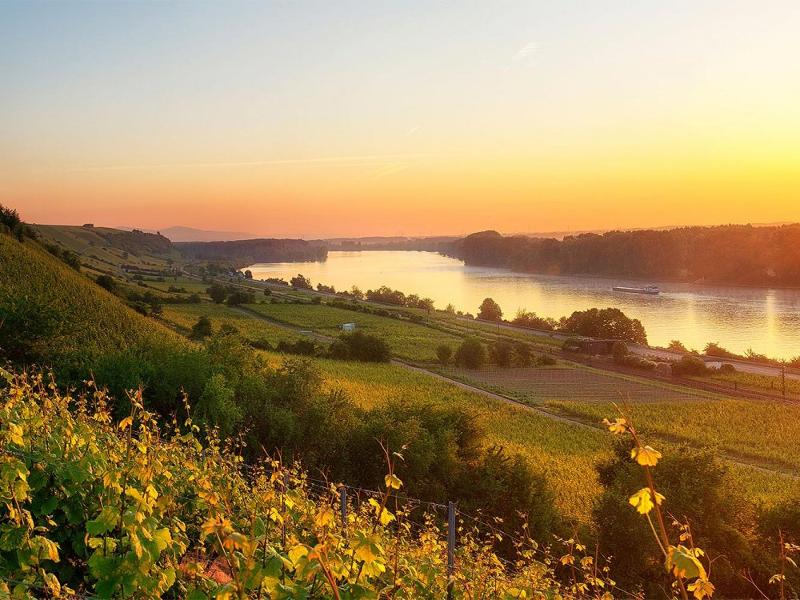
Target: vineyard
{"type": "Point", "coordinates": [100, 509]}
{"type": "Point", "coordinates": [65, 312]}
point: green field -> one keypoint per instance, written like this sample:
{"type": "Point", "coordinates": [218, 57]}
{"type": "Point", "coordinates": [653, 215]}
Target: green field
{"type": "Point", "coordinates": [410, 341]}
{"type": "Point", "coordinates": [184, 316]}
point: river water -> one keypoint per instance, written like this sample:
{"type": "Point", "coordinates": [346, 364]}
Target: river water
{"type": "Point", "coordinates": [766, 320]}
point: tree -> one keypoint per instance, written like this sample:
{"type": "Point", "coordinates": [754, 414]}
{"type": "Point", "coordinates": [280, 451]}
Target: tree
{"type": "Point", "coordinates": [677, 346]}
{"type": "Point", "coordinates": [605, 323]}
{"type": "Point", "coordinates": [444, 353]}
{"type": "Point", "coordinates": [450, 309]}
{"type": "Point", "coordinates": [471, 354]}
{"type": "Point", "coordinates": [490, 311]}
{"type": "Point", "coordinates": [426, 304]}
{"type": "Point", "coordinates": [248, 274]}
{"type": "Point", "coordinates": [218, 293]}
{"type": "Point", "coordinates": [300, 282]}
{"type": "Point", "coordinates": [202, 329]}
{"type": "Point", "coordinates": [533, 321]}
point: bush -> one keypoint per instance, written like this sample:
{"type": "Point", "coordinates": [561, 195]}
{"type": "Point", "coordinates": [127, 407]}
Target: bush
{"type": "Point", "coordinates": [689, 366]}
{"type": "Point", "coordinates": [694, 483]}
{"type": "Point", "coordinates": [545, 360]}
{"type": "Point", "coordinates": [619, 350]}
{"type": "Point", "coordinates": [218, 293]}
{"type": "Point", "coordinates": [444, 353]}
{"type": "Point", "coordinates": [301, 347]}
{"type": "Point", "coordinates": [360, 346]}
{"type": "Point", "coordinates": [107, 282]}
{"type": "Point", "coordinates": [714, 349]}
{"type": "Point", "coordinates": [523, 355]}
{"type": "Point", "coordinates": [471, 354]}
{"type": "Point", "coordinates": [202, 329]}
{"type": "Point", "coordinates": [502, 352]}
{"type": "Point", "coordinates": [727, 369]}
{"type": "Point", "coordinates": [240, 297]}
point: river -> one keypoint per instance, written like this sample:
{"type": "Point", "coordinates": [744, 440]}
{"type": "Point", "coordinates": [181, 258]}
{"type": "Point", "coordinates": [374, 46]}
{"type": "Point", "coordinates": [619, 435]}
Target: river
{"type": "Point", "coordinates": [766, 320]}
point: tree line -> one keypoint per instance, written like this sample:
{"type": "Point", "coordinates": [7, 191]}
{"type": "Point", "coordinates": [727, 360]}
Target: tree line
{"type": "Point", "coordinates": [729, 254]}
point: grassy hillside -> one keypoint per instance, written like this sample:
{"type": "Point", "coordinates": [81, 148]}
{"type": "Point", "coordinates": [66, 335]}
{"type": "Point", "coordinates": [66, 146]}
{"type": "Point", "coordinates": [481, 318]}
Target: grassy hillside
{"type": "Point", "coordinates": [104, 249]}
{"type": "Point", "coordinates": [72, 315]}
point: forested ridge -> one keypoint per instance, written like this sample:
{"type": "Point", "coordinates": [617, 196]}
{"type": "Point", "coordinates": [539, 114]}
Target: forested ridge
{"type": "Point", "coordinates": [728, 254]}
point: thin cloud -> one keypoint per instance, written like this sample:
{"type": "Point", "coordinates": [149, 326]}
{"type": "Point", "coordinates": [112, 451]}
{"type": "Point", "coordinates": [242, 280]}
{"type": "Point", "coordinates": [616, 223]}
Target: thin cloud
{"type": "Point", "coordinates": [357, 160]}
{"type": "Point", "coordinates": [526, 51]}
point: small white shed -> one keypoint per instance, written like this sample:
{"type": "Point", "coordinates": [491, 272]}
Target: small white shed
{"type": "Point", "coordinates": [348, 326]}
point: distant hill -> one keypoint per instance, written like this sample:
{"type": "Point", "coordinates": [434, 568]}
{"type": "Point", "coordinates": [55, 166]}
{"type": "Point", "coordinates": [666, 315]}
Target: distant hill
{"type": "Point", "coordinates": [179, 233]}
{"type": "Point", "coordinates": [75, 319]}
{"type": "Point", "coordinates": [245, 252]}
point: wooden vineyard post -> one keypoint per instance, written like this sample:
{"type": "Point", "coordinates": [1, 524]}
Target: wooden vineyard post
{"type": "Point", "coordinates": [451, 548]}
{"type": "Point", "coordinates": [343, 508]}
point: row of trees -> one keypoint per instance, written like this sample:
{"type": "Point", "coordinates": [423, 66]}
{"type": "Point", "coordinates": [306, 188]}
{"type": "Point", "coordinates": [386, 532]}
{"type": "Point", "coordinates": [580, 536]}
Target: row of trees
{"type": "Point", "coordinates": [609, 323]}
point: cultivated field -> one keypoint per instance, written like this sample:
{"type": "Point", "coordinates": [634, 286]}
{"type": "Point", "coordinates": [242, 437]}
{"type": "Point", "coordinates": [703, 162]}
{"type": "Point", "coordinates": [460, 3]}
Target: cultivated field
{"type": "Point", "coordinates": [573, 383]}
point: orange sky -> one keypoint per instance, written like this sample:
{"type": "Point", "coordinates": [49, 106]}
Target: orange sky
{"type": "Point", "coordinates": [285, 121]}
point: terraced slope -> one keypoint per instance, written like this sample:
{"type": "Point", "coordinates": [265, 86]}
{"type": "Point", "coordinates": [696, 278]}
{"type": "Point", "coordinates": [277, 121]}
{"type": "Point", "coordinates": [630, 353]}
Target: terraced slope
{"type": "Point", "coordinates": [84, 319]}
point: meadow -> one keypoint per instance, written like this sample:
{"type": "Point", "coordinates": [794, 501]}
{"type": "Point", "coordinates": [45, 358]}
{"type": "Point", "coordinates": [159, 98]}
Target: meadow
{"type": "Point", "coordinates": [184, 316]}
{"type": "Point", "coordinates": [407, 340]}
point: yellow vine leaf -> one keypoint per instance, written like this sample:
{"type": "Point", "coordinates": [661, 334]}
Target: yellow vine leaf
{"type": "Point", "coordinates": [701, 588]}
{"type": "Point", "coordinates": [126, 422]}
{"type": "Point", "coordinates": [392, 482]}
{"type": "Point", "coordinates": [647, 456]}
{"type": "Point", "coordinates": [683, 563]}
{"type": "Point", "coordinates": [642, 500]}
{"type": "Point", "coordinates": [617, 426]}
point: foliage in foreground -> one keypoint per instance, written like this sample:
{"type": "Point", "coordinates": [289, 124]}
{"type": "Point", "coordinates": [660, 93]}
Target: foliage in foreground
{"type": "Point", "coordinates": [129, 509]}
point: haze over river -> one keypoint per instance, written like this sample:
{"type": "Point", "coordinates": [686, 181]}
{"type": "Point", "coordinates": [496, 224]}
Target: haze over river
{"type": "Point", "coordinates": [766, 320]}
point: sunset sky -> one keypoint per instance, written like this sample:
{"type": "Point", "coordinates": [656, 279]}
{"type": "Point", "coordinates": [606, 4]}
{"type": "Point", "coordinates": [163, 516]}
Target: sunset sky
{"type": "Point", "coordinates": [333, 118]}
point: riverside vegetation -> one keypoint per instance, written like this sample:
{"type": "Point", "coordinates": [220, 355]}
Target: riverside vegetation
{"type": "Point", "coordinates": [327, 414]}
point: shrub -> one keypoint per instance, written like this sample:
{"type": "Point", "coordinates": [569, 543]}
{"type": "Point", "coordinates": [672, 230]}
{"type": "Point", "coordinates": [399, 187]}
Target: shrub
{"type": "Point", "coordinates": [238, 297]}
{"type": "Point", "coordinates": [360, 346]}
{"type": "Point", "coordinates": [523, 355]}
{"type": "Point", "coordinates": [619, 350]}
{"type": "Point", "coordinates": [502, 352]}
{"type": "Point", "coordinates": [471, 354]}
{"type": "Point", "coordinates": [714, 349]}
{"type": "Point", "coordinates": [545, 360]}
{"type": "Point", "coordinates": [301, 347]}
{"type": "Point", "coordinates": [532, 321]}
{"type": "Point", "coordinates": [444, 353]}
{"type": "Point", "coordinates": [218, 293]}
{"type": "Point", "coordinates": [689, 366]}
{"type": "Point", "coordinates": [107, 282]}
{"type": "Point", "coordinates": [727, 369]}
{"type": "Point", "coordinates": [202, 329]}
